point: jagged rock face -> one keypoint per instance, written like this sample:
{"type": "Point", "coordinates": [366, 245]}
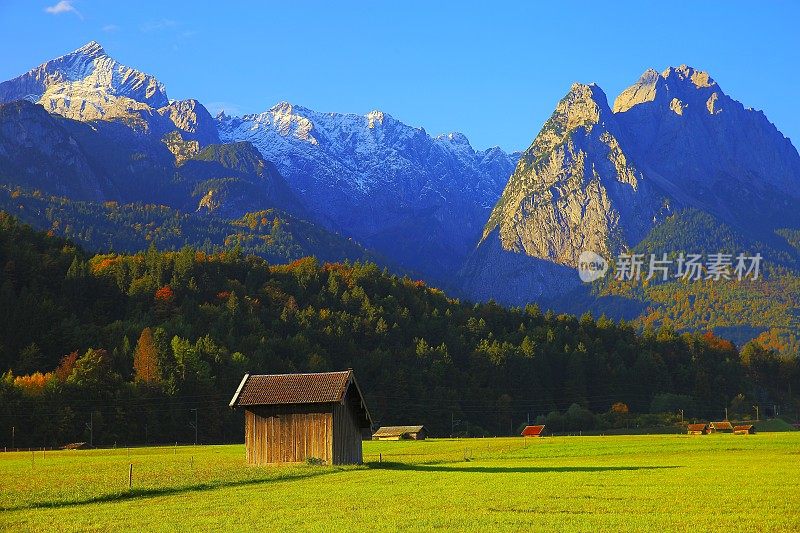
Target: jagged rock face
{"type": "Point", "coordinates": [192, 120]}
{"type": "Point", "coordinates": [574, 189]}
{"type": "Point", "coordinates": [599, 180]}
{"type": "Point", "coordinates": [37, 152]}
{"type": "Point", "coordinates": [495, 272]}
{"type": "Point", "coordinates": [716, 154]}
{"type": "Point", "coordinates": [419, 200]}
{"type": "Point", "coordinates": [89, 74]}
{"type": "Point", "coordinates": [181, 148]}
{"type": "Point", "coordinates": [88, 85]}
{"type": "Point", "coordinates": [85, 85]}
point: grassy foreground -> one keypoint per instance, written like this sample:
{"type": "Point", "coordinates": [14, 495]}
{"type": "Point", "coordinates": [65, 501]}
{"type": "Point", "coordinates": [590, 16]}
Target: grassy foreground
{"type": "Point", "coordinates": [673, 482]}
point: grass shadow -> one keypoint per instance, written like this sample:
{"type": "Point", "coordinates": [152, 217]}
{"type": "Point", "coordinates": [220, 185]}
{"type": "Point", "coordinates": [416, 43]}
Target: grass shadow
{"type": "Point", "coordinates": [511, 469]}
{"type": "Point", "coordinates": [168, 491]}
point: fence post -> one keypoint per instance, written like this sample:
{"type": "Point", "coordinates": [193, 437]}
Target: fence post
{"type": "Point", "coordinates": [130, 476]}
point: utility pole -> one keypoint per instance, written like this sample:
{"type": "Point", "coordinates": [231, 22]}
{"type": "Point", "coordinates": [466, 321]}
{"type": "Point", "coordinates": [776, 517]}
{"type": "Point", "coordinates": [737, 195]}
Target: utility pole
{"type": "Point", "coordinates": [13, 431]}
{"type": "Point", "coordinates": [756, 408]}
{"type": "Point", "coordinates": [726, 413]}
{"type": "Point", "coordinates": [90, 427]}
{"type": "Point", "coordinates": [681, 411]}
{"type": "Point", "coordinates": [194, 425]}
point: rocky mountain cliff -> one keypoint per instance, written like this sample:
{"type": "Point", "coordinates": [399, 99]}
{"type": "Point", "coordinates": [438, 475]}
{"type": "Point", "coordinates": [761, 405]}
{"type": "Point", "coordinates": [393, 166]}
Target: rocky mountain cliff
{"type": "Point", "coordinates": [597, 179]}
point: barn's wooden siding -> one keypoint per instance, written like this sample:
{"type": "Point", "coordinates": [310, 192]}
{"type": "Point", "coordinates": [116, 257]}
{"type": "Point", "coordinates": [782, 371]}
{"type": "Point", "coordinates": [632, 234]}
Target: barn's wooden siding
{"type": "Point", "coordinates": [346, 434]}
{"type": "Point", "coordinates": [289, 434]}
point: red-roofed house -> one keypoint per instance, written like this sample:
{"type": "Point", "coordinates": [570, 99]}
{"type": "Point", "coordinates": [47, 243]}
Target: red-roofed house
{"type": "Point", "coordinates": [532, 431]}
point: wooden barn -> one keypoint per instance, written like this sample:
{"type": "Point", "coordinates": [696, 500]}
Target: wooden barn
{"type": "Point", "coordinates": [290, 418]}
{"type": "Point", "coordinates": [532, 431]}
{"type": "Point", "coordinates": [400, 433]}
{"type": "Point", "coordinates": [720, 427]}
{"type": "Point", "coordinates": [697, 429]}
{"type": "Point", "coordinates": [747, 429]}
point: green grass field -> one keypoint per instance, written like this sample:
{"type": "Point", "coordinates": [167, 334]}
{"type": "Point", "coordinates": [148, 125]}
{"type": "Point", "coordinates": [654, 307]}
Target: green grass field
{"type": "Point", "coordinates": [668, 482]}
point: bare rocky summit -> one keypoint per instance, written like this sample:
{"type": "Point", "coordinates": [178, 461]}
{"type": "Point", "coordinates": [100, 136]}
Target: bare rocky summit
{"type": "Point", "coordinates": [597, 179]}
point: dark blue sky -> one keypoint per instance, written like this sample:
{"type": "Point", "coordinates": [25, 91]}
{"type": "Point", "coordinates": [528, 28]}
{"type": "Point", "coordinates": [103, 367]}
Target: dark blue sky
{"type": "Point", "coordinates": [492, 70]}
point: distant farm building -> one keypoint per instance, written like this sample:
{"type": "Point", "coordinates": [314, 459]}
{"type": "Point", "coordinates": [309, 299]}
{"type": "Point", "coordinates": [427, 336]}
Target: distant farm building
{"type": "Point", "coordinates": [720, 427]}
{"type": "Point", "coordinates": [291, 418]}
{"type": "Point", "coordinates": [744, 430]}
{"type": "Point", "coordinates": [697, 429]}
{"type": "Point", "coordinates": [400, 433]}
{"type": "Point", "coordinates": [532, 431]}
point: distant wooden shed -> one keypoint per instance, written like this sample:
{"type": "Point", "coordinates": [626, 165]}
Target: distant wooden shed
{"type": "Point", "coordinates": [697, 429]}
{"type": "Point", "coordinates": [720, 427]}
{"type": "Point", "coordinates": [747, 429]}
{"type": "Point", "coordinates": [291, 418]}
{"type": "Point", "coordinates": [532, 431]}
{"type": "Point", "coordinates": [400, 433]}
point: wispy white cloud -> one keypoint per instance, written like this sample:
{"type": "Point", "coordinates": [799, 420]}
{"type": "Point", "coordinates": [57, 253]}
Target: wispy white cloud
{"type": "Point", "coordinates": [64, 6]}
{"type": "Point", "coordinates": [157, 25]}
{"type": "Point", "coordinates": [110, 28]}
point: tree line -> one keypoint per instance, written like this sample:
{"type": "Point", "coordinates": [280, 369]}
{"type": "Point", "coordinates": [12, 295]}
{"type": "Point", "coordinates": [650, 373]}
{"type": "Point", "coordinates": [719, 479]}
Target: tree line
{"type": "Point", "coordinates": [129, 348]}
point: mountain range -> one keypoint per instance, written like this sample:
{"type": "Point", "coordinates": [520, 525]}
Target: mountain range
{"type": "Point", "coordinates": [673, 165]}
{"type": "Point", "coordinates": [419, 200]}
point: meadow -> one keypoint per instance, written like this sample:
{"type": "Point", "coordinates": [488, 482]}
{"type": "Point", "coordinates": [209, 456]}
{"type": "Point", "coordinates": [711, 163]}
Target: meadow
{"type": "Point", "coordinates": [611, 483]}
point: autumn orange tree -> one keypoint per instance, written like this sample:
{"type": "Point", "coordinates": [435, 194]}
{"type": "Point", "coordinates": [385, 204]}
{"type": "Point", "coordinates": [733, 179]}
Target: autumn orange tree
{"type": "Point", "coordinates": [619, 408]}
{"type": "Point", "coordinates": [145, 359]}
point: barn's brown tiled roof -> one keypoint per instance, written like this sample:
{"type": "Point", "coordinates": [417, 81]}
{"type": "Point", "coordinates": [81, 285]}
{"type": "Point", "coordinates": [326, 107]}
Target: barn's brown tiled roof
{"type": "Point", "coordinates": [396, 431]}
{"type": "Point", "coordinates": [280, 389]}
{"type": "Point", "coordinates": [697, 427]}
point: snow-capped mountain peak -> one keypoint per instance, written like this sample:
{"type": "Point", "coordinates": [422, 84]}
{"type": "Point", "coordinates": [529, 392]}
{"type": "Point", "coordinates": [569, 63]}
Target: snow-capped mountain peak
{"type": "Point", "coordinates": [374, 118]}
{"type": "Point", "coordinates": [91, 49]}
{"type": "Point", "coordinates": [66, 84]}
{"type": "Point", "coordinates": [454, 137]}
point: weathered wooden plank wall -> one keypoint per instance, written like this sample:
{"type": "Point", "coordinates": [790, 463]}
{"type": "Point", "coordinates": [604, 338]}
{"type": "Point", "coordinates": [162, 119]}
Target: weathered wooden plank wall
{"type": "Point", "coordinates": [288, 434]}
